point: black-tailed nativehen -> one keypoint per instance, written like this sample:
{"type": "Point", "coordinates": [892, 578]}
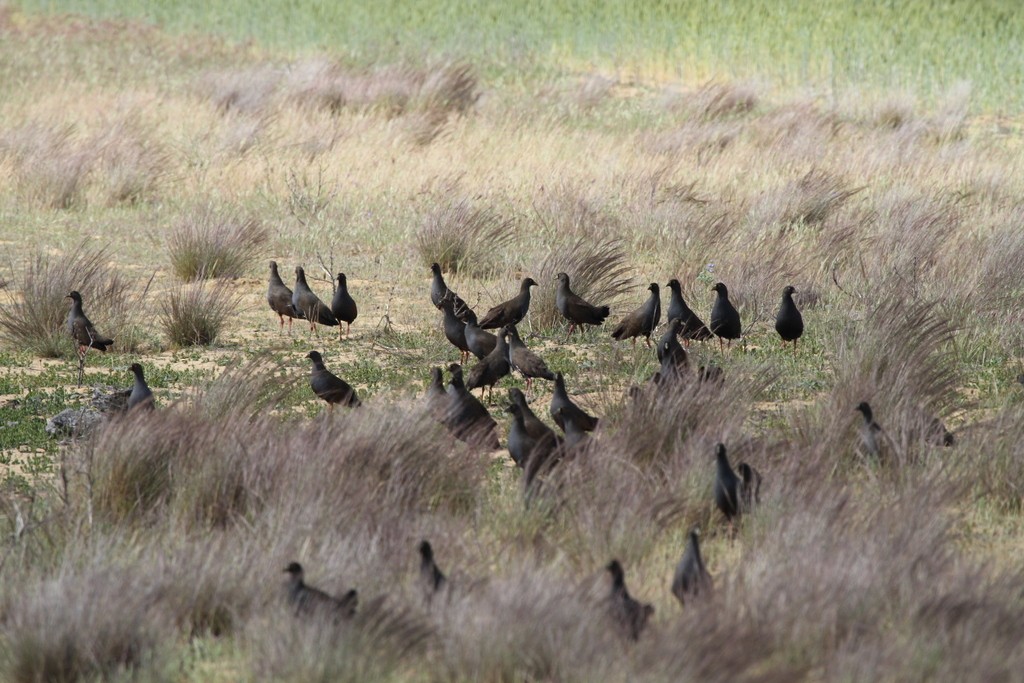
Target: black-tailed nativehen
{"type": "Point", "coordinates": [575, 309]}
{"type": "Point", "coordinates": [642, 321]}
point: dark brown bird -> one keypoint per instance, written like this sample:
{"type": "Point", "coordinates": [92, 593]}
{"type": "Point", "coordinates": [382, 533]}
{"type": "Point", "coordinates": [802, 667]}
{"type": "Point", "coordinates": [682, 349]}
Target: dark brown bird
{"type": "Point", "coordinates": [521, 445]}
{"type": "Point", "coordinates": [671, 354]}
{"type": "Point", "coordinates": [629, 614]}
{"type": "Point", "coordinates": [509, 312]}
{"type": "Point", "coordinates": [490, 370]}
{"type": "Point", "coordinates": [432, 578]}
{"type": "Point", "coordinates": [311, 602]}
{"type": "Point", "coordinates": [280, 298]}
{"type": "Point", "coordinates": [750, 487]}
{"type": "Point", "coordinates": [575, 436]}
{"type": "Point", "coordinates": [788, 321]}
{"type": "Point", "coordinates": [83, 332]}
{"type": "Point", "coordinates": [560, 400]}
{"type": "Point", "coordinates": [870, 431]}
{"type": "Point", "coordinates": [328, 386]}
{"type": "Point", "coordinates": [141, 396]}
{"type": "Point", "coordinates": [524, 360]}
{"type": "Point", "coordinates": [727, 486]}
{"type": "Point", "coordinates": [691, 579]}
{"type": "Point", "coordinates": [725, 319]}
{"type": "Point", "coordinates": [480, 343]}
{"type": "Point", "coordinates": [309, 305]}
{"type": "Point", "coordinates": [454, 329]}
{"type": "Point", "coordinates": [467, 418]}
{"type": "Point", "coordinates": [574, 309]}
{"type": "Point", "coordinates": [439, 290]}
{"type": "Point", "coordinates": [437, 398]}
{"type": "Point", "coordinates": [535, 427]}
{"type": "Point", "coordinates": [693, 327]}
{"type": "Point", "coordinates": [343, 306]}
{"type": "Point", "coordinates": [642, 321]}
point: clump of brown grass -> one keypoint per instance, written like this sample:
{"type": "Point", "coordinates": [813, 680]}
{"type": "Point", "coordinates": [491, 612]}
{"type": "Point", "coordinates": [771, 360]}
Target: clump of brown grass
{"type": "Point", "coordinates": [194, 314]}
{"type": "Point", "coordinates": [51, 164]}
{"type": "Point", "coordinates": [130, 164]}
{"type": "Point", "coordinates": [716, 100]}
{"type": "Point", "coordinates": [462, 236]}
{"type": "Point", "coordinates": [33, 316]}
{"type": "Point", "coordinates": [210, 243]}
{"type": "Point", "coordinates": [250, 90]}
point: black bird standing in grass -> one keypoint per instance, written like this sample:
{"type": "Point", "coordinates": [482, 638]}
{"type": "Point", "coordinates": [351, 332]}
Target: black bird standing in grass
{"type": "Point", "coordinates": [492, 368]}
{"type": "Point", "coordinates": [691, 579]}
{"type": "Point", "coordinates": [313, 602]}
{"type": "Point", "coordinates": [574, 309]}
{"type": "Point", "coordinates": [437, 398]}
{"type": "Point", "coordinates": [522, 445]}
{"type": "Point", "coordinates": [642, 321]}
{"type": "Point", "coordinates": [870, 431]}
{"type": "Point", "coordinates": [788, 321]}
{"type": "Point", "coordinates": [727, 487]}
{"type": "Point", "coordinates": [725, 319]}
{"type": "Point", "coordinates": [280, 298]}
{"type": "Point", "coordinates": [467, 418]}
{"type": "Point", "coordinates": [309, 305]}
{"type": "Point", "coordinates": [329, 386]}
{"type": "Point", "coordinates": [629, 614]}
{"type": "Point", "coordinates": [83, 332]}
{"type": "Point", "coordinates": [431, 576]}
{"type": "Point", "coordinates": [480, 343]}
{"type": "Point", "coordinates": [528, 363]}
{"type": "Point", "coordinates": [343, 306]}
{"type": "Point", "coordinates": [509, 312]}
{"type": "Point", "coordinates": [439, 290]}
{"type": "Point", "coordinates": [454, 329]}
{"type": "Point", "coordinates": [693, 328]}
{"type": "Point", "coordinates": [671, 355]}
{"type": "Point", "coordinates": [141, 396]}
{"type": "Point", "coordinates": [560, 399]}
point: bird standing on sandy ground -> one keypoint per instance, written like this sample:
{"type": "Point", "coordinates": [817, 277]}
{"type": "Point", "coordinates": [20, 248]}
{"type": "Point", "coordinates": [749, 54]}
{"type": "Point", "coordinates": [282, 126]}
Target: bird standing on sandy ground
{"type": "Point", "coordinates": [309, 305]}
{"type": "Point", "coordinates": [83, 332]}
{"type": "Point", "coordinates": [280, 298]}
{"type": "Point", "coordinates": [328, 386]}
{"type": "Point", "coordinates": [141, 396]}
{"type": "Point", "coordinates": [343, 306]}
{"type": "Point", "coordinates": [510, 312]}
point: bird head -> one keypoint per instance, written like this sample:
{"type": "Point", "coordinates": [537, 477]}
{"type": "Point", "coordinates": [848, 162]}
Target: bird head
{"type": "Point", "coordinates": [136, 369]}
{"type": "Point", "coordinates": [300, 273]}
{"type": "Point", "coordinates": [273, 267]}
{"type": "Point", "coordinates": [615, 569]}
{"type": "Point", "coordinates": [864, 409]}
{"type": "Point", "coordinates": [790, 290]}
{"type": "Point", "coordinates": [342, 280]}
{"type": "Point", "coordinates": [426, 552]}
{"type": "Point", "coordinates": [295, 569]}
{"type": "Point", "coordinates": [74, 296]}
{"type": "Point", "coordinates": [720, 452]}
{"type": "Point", "coordinates": [529, 282]}
{"type": "Point", "coordinates": [435, 374]}
{"type": "Point", "coordinates": [563, 278]}
{"type": "Point", "coordinates": [673, 284]}
{"type": "Point", "coordinates": [516, 396]}
{"type": "Point", "coordinates": [315, 356]}
{"type": "Point", "coordinates": [435, 268]}
{"type": "Point", "coordinates": [721, 289]}
{"type": "Point", "coordinates": [653, 288]}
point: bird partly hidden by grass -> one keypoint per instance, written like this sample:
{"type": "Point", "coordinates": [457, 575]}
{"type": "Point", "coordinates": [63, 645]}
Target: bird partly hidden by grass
{"type": "Point", "coordinates": [726, 488]}
{"type": "Point", "coordinates": [629, 614]}
{"type": "Point", "coordinates": [574, 308]}
{"type": "Point", "coordinates": [343, 306]}
{"type": "Point", "coordinates": [788, 321]}
{"type": "Point", "coordinates": [439, 291]}
{"type": "Point", "coordinates": [328, 386]}
{"type": "Point", "coordinates": [492, 368]}
{"type": "Point", "coordinates": [141, 397]}
{"type": "Point", "coordinates": [466, 417]}
{"type": "Point", "coordinates": [563, 408]}
{"type": "Point", "coordinates": [692, 579]}
{"type": "Point", "coordinates": [480, 342]}
{"type": "Point", "coordinates": [313, 603]}
{"type": "Point", "coordinates": [870, 431]}
{"type": "Point", "coordinates": [454, 329]}
{"type": "Point", "coordinates": [725, 319]}
{"type": "Point", "coordinates": [523, 360]}
{"type": "Point", "coordinates": [84, 332]}
{"type": "Point", "coordinates": [693, 328]}
{"type": "Point", "coordinates": [642, 321]}
{"type": "Point", "coordinates": [432, 579]}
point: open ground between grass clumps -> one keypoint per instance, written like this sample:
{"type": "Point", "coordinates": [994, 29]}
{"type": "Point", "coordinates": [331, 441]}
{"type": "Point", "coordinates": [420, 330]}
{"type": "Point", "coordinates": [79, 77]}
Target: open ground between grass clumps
{"type": "Point", "coordinates": [155, 548]}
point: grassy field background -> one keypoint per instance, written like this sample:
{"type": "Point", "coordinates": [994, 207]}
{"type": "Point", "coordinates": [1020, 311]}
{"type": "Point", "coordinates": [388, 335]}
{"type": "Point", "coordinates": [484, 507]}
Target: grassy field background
{"type": "Point", "coordinates": [866, 153]}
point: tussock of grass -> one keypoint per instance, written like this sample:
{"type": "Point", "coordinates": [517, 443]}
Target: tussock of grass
{"type": "Point", "coordinates": [463, 236]}
{"type": "Point", "coordinates": [195, 314]}
{"type": "Point", "coordinates": [51, 164]}
{"type": "Point", "coordinates": [212, 243]}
